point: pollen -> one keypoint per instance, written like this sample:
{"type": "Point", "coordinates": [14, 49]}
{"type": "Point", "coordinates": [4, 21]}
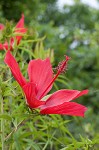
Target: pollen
{"type": "Point", "coordinates": [62, 66]}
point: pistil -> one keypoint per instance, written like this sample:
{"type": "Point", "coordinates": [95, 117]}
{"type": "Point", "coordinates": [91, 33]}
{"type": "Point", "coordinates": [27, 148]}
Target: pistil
{"type": "Point", "coordinates": [61, 67]}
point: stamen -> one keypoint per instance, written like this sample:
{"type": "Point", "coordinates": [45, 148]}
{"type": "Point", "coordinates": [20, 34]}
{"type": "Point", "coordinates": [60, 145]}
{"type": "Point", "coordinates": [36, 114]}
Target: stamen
{"type": "Point", "coordinates": [62, 66]}
{"type": "Point", "coordinates": [60, 69]}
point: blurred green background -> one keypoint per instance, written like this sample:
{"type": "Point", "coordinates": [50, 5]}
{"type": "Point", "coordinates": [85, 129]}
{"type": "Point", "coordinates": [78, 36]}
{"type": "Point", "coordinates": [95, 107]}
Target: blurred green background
{"type": "Point", "coordinates": [73, 31]}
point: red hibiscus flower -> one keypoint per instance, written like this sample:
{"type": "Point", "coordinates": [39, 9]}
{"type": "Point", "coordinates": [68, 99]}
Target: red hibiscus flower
{"type": "Point", "coordinates": [40, 83]}
{"type": "Point", "coordinates": [19, 31]}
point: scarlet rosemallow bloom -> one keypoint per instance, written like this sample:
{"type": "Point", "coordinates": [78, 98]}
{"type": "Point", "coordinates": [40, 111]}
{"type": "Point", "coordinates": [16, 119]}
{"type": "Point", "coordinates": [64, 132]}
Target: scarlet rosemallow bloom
{"type": "Point", "coordinates": [19, 31]}
{"type": "Point", "coordinates": [40, 82]}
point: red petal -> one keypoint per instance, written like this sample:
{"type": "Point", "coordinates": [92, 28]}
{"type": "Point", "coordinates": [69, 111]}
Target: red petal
{"type": "Point", "coordinates": [30, 92]}
{"type": "Point", "coordinates": [20, 24]}
{"type": "Point", "coordinates": [63, 96]}
{"type": "Point", "coordinates": [1, 26]}
{"type": "Point", "coordinates": [40, 73]}
{"type": "Point", "coordinates": [68, 108]}
{"type": "Point", "coordinates": [11, 43]}
{"type": "Point", "coordinates": [82, 93]}
{"type": "Point", "coordinates": [1, 47]}
{"type": "Point", "coordinates": [13, 65]}
{"type": "Point", "coordinates": [18, 38]}
{"type": "Point", "coordinates": [20, 29]}
{"type": "Point", "coordinates": [5, 45]}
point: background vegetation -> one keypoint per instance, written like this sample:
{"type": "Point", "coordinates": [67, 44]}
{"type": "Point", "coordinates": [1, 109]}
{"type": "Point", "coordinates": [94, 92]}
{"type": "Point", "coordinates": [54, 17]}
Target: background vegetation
{"type": "Point", "coordinates": [74, 31]}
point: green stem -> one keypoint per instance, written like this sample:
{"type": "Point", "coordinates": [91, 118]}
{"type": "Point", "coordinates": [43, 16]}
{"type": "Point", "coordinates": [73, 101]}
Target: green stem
{"type": "Point", "coordinates": [2, 121]}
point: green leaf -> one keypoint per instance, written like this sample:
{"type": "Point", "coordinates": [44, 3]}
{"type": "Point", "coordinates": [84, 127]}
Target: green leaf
{"type": "Point", "coordinates": [5, 116]}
